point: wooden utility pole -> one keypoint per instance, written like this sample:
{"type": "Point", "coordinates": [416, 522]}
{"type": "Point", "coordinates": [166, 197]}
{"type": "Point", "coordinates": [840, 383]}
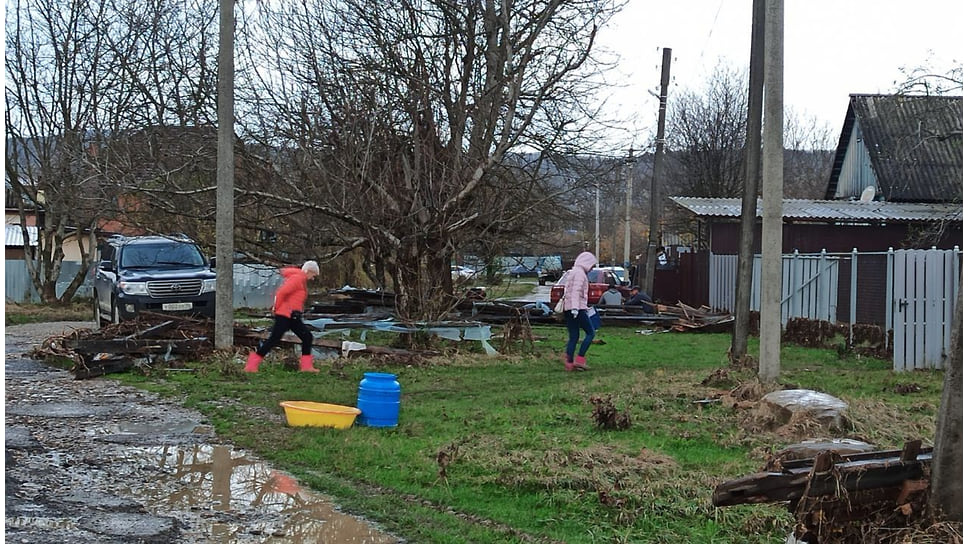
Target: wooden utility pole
{"type": "Point", "coordinates": [754, 126]}
{"type": "Point", "coordinates": [647, 280]}
{"type": "Point", "coordinates": [225, 182]}
{"type": "Point", "coordinates": [771, 284]}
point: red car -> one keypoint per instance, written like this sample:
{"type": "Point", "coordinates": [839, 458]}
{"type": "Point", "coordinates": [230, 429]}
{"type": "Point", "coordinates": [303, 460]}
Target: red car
{"type": "Point", "coordinates": [599, 281]}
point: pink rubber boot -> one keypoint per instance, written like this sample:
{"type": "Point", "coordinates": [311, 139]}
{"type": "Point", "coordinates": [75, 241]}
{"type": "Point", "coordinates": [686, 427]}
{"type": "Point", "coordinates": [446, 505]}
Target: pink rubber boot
{"type": "Point", "coordinates": [568, 366]}
{"type": "Point", "coordinates": [580, 363]}
{"type": "Point", "coordinates": [252, 365]}
{"type": "Point", "coordinates": [306, 364]}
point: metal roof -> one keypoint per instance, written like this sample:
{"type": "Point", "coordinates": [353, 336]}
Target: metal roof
{"type": "Point", "coordinates": [830, 210]}
{"type": "Point", "coordinates": [15, 236]}
{"type": "Point", "coordinates": [914, 143]}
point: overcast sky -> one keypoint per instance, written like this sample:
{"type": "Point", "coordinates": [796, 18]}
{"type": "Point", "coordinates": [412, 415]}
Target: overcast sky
{"type": "Point", "coordinates": [832, 48]}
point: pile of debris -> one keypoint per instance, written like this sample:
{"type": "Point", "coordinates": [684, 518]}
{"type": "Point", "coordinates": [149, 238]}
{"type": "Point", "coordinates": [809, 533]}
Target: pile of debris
{"type": "Point", "coordinates": [161, 340]}
{"type": "Point", "coordinates": [841, 497]}
{"type": "Point", "coordinates": [702, 319]}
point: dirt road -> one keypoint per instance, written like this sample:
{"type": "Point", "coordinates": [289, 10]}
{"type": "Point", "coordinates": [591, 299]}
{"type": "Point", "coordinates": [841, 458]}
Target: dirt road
{"type": "Point", "coordinates": [93, 461]}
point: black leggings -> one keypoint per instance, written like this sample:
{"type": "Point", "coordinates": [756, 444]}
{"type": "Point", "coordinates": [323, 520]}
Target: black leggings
{"type": "Point", "coordinates": [279, 328]}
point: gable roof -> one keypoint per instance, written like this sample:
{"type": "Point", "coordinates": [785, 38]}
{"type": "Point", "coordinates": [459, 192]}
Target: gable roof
{"type": "Point", "coordinates": [914, 144]}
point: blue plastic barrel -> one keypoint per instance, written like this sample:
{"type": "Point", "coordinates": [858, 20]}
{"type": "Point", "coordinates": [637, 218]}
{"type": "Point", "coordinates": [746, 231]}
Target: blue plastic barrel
{"type": "Point", "coordinates": [378, 400]}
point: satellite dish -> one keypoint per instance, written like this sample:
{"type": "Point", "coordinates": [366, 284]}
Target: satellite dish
{"type": "Point", "coordinates": [868, 194]}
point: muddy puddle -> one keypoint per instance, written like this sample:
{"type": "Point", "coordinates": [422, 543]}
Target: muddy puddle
{"type": "Point", "coordinates": [93, 461]}
{"type": "Point", "coordinates": [220, 479]}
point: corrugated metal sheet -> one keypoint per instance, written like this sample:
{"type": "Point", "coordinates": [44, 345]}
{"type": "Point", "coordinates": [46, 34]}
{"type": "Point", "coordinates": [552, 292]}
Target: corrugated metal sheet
{"type": "Point", "coordinates": [15, 236]}
{"type": "Point", "coordinates": [914, 144]}
{"type": "Point", "coordinates": [850, 211]}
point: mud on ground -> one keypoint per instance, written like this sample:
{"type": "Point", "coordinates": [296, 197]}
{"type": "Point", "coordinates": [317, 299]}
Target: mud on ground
{"type": "Point", "coordinates": [93, 461]}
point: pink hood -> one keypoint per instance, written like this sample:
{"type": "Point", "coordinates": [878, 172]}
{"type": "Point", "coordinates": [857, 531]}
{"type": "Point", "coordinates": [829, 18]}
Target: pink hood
{"type": "Point", "coordinates": [576, 284]}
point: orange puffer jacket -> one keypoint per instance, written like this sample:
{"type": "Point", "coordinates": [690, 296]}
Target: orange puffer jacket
{"type": "Point", "coordinates": [291, 295]}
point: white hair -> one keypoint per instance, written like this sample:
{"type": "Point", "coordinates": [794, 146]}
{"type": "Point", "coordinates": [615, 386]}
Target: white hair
{"type": "Point", "coordinates": [310, 266]}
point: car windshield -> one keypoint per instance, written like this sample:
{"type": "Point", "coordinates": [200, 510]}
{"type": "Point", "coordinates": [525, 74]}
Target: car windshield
{"type": "Point", "coordinates": [595, 275]}
{"type": "Point", "coordinates": [171, 254]}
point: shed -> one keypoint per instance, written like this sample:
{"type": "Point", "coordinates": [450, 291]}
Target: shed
{"type": "Point", "coordinates": [14, 244]}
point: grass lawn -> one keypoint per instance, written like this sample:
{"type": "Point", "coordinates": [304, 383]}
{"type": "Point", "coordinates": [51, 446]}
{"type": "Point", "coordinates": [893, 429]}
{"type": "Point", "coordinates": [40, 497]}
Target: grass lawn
{"type": "Point", "coordinates": [508, 448]}
{"type": "Point", "coordinates": [18, 314]}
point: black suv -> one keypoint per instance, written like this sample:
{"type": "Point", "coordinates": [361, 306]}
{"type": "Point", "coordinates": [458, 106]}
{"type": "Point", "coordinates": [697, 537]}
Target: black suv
{"type": "Point", "coordinates": [165, 274]}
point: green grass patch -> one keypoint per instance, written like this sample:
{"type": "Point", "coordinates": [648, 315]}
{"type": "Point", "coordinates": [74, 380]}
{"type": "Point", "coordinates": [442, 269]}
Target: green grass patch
{"type": "Point", "coordinates": [508, 448]}
{"type": "Point", "coordinates": [19, 314]}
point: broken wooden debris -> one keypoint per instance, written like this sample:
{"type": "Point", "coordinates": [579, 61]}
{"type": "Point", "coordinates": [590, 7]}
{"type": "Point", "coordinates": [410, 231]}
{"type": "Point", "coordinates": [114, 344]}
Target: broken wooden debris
{"type": "Point", "coordinates": [154, 338]}
{"type": "Point", "coordinates": [830, 491]}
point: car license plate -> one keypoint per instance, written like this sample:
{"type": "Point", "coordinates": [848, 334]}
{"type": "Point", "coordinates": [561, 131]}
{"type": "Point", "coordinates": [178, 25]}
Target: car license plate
{"type": "Point", "coordinates": [176, 306]}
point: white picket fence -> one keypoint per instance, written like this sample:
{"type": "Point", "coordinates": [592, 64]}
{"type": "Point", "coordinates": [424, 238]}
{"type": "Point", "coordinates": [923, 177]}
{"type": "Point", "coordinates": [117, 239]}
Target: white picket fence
{"type": "Point", "coordinates": [922, 292]}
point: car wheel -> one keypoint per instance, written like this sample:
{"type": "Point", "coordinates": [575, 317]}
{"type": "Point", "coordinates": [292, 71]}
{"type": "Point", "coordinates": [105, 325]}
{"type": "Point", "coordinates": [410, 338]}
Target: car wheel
{"type": "Point", "coordinates": [115, 313]}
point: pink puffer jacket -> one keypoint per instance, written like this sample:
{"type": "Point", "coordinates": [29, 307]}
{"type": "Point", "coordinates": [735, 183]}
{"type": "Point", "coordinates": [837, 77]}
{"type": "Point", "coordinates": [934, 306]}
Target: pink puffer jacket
{"type": "Point", "coordinates": [576, 284]}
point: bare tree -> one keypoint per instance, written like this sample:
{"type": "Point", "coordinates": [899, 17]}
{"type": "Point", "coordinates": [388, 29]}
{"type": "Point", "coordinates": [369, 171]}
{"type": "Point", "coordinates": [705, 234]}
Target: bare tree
{"type": "Point", "coordinates": [91, 89]}
{"type": "Point", "coordinates": [927, 79]}
{"type": "Point", "coordinates": [393, 129]}
{"type": "Point", "coordinates": [707, 132]}
{"type": "Point", "coordinates": [56, 73]}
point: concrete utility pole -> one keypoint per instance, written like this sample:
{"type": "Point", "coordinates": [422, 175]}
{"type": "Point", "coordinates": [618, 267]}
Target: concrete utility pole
{"type": "Point", "coordinates": [225, 182]}
{"type": "Point", "coordinates": [947, 464]}
{"type": "Point", "coordinates": [770, 286]}
{"type": "Point", "coordinates": [647, 282]}
{"type": "Point", "coordinates": [754, 126]}
{"type": "Point", "coordinates": [630, 162]}
{"type": "Point", "coordinates": [598, 219]}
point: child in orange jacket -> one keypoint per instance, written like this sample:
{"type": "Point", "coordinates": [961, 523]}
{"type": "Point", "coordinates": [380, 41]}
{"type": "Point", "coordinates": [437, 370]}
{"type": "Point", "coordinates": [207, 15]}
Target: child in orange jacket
{"type": "Point", "coordinates": [287, 311]}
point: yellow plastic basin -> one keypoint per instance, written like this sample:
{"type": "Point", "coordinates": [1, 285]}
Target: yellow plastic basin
{"type": "Point", "coordinates": [301, 413]}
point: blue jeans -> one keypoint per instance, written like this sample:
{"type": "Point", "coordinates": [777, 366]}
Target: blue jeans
{"type": "Point", "coordinates": [575, 324]}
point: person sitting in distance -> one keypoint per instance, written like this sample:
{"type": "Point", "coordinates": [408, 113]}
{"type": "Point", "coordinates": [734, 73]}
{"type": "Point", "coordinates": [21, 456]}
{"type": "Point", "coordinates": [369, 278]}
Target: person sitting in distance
{"type": "Point", "coordinates": [612, 297]}
{"type": "Point", "coordinates": [639, 299]}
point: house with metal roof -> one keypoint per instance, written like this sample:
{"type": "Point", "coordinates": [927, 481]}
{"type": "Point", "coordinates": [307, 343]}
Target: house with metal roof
{"type": "Point", "coordinates": [896, 182]}
{"type": "Point", "coordinates": [900, 149]}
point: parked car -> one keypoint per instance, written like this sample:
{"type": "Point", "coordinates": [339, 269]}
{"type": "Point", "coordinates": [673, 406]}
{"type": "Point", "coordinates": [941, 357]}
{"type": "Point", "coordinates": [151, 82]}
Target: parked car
{"type": "Point", "coordinates": [521, 271]}
{"type": "Point", "coordinates": [620, 272]}
{"type": "Point", "coordinates": [549, 275]}
{"type": "Point", "coordinates": [458, 272]}
{"type": "Point", "coordinates": [152, 273]}
{"type": "Point", "coordinates": [599, 280]}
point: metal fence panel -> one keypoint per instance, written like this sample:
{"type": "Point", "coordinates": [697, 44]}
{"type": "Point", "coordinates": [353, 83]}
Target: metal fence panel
{"type": "Point", "coordinates": [254, 284]}
{"type": "Point", "coordinates": [922, 295]}
{"type": "Point", "coordinates": [18, 287]}
{"type": "Point", "coordinates": [809, 285]}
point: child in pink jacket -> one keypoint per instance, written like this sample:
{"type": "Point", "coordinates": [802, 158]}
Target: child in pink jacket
{"type": "Point", "coordinates": [577, 314]}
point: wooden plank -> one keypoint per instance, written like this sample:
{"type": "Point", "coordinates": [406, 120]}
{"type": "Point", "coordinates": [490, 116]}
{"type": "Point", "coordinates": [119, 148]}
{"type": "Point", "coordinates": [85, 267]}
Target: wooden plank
{"type": "Point", "coordinates": [910, 451]}
{"type": "Point", "coordinates": [93, 369]}
{"type": "Point", "coordinates": [151, 331]}
{"type": "Point", "coordinates": [860, 472]}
